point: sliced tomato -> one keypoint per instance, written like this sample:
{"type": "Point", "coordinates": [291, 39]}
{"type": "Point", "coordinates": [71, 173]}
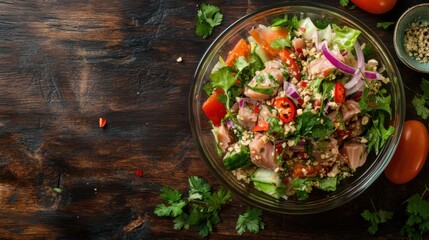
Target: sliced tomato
{"type": "Point", "coordinates": [241, 48]}
{"type": "Point", "coordinates": [261, 126]}
{"type": "Point", "coordinates": [265, 36]}
{"type": "Point", "coordinates": [214, 109]}
{"type": "Point", "coordinates": [339, 93]}
{"type": "Point", "coordinates": [286, 109]}
{"type": "Point", "coordinates": [287, 56]}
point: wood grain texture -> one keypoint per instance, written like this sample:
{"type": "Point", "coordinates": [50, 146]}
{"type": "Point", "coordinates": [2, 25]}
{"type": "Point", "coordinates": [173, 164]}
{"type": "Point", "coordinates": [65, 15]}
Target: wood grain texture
{"type": "Point", "coordinates": [64, 64]}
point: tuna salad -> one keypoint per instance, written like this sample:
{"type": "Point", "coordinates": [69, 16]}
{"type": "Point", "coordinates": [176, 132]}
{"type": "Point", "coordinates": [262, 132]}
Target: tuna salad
{"type": "Point", "coordinates": [298, 106]}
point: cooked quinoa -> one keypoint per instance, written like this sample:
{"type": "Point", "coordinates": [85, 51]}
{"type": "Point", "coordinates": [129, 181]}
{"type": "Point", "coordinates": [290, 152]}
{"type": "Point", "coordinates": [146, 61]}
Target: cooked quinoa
{"type": "Point", "coordinates": [417, 41]}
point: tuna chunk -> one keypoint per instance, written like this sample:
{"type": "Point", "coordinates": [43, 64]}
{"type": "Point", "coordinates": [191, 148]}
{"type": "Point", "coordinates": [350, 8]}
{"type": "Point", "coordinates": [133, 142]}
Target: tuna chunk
{"type": "Point", "coordinates": [223, 137]}
{"type": "Point", "coordinates": [265, 84]}
{"type": "Point", "coordinates": [355, 153]}
{"type": "Point", "coordinates": [322, 67]}
{"type": "Point", "coordinates": [263, 153]}
{"type": "Point", "coordinates": [247, 117]}
{"type": "Point", "coordinates": [349, 109]}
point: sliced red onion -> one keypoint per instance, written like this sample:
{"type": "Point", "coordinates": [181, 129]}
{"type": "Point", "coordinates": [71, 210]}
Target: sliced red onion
{"type": "Point", "coordinates": [373, 75]}
{"type": "Point", "coordinates": [355, 88]}
{"type": "Point", "coordinates": [360, 67]}
{"type": "Point", "coordinates": [242, 101]}
{"type": "Point", "coordinates": [336, 62]}
{"type": "Point", "coordinates": [230, 123]}
{"type": "Point", "coordinates": [346, 68]}
{"type": "Point", "coordinates": [290, 90]}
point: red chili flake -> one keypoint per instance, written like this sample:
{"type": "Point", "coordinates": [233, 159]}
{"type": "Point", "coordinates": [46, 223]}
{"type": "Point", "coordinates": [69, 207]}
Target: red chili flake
{"type": "Point", "coordinates": [303, 84]}
{"type": "Point", "coordinates": [139, 172]}
{"type": "Point", "coordinates": [300, 101]}
{"type": "Point", "coordinates": [256, 109]}
{"type": "Point", "coordinates": [102, 122]}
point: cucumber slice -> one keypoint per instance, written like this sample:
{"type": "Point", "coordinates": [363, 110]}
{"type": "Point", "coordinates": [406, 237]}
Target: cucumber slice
{"type": "Point", "coordinates": [237, 159]}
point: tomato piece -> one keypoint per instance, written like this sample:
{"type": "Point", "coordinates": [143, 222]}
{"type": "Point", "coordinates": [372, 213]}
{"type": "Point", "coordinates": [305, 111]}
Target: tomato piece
{"type": "Point", "coordinates": [261, 126]}
{"type": "Point", "coordinates": [300, 170]}
{"type": "Point", "coordinates": [339, 93]}
{"type": "Point", "coordinates": [375, 6]}
{"type": "Point", "coordinates": [287, 56]}
{"type": "Point", "coordinates": [241, 48]}
{"type": "Point", "coordinates": [410, 155]}
{"type": "Point", "coordinates": [264, 37]}
{"type": "Point", "coordinates": [286, 109]}
{"type": "Point", "coordinates": [214, 109]}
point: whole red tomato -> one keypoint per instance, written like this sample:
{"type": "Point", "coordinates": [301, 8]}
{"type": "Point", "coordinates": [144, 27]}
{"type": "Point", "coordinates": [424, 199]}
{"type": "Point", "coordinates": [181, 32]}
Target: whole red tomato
{"type": "Point", "coordinates": [375, 6]}
{"type": "Point", "coordinates": [411, 153]}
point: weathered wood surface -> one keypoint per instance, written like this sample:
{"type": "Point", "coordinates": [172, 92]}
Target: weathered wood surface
{"type": "Point", "coordinates": [64, 64]}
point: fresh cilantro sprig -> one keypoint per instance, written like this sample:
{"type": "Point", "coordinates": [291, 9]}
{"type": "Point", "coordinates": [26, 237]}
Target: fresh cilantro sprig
{"type": "Point", "coordinates": [421, 101]}
{"type": "Point", "coordinates": [376, 217]}
{"type": "Point", "coordinates": [201, 208]}
{"type": "Point", "coordinates": [250, 221]}
{"type": "Point", "coordinates": [417, 224]}
{"type": "Point", "coordinates": [384, 25]}
{"type": "Point", "coordinates": [208, 17]}
{"type": "Point", "coordinates": [344, 3]}
{"type": "Point", "coordinates": [290, 24]}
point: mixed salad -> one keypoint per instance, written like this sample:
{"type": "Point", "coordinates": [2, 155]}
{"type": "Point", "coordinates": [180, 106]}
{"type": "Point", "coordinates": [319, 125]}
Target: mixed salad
{"type": "Point", "coordinates": [296, 106]}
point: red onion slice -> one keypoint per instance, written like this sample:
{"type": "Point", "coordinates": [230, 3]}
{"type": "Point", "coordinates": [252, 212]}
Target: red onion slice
{"type": "Point", "coordinates": [336, 62]}
{"type": "Point", "coordinates": [360, 67]}
{"type": "Point", "coordinates": [290, 90]}
{"type": "Point", "coordinates": [355, 88]}
{"type": "Point", "coordinates": [346, 68]}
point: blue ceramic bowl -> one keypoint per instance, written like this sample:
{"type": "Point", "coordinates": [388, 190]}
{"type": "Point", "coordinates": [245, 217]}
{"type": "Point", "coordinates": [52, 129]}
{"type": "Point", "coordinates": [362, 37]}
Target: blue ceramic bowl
{"type": "Point", "coordinates": [418, 12]}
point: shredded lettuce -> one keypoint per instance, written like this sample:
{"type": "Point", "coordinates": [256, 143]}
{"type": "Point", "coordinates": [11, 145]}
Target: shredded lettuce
{"type": "Point", "coordinates": [345, 37]}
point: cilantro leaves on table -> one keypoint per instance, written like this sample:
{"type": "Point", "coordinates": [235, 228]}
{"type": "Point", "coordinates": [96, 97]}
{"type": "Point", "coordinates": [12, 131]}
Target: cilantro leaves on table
{"type": "Point", "coordinates": [376, 217]}
{"type": "Point", "coordinates": [384, 25]}
{"type": "Point", "coordinates": [208, 17]}
{"type": "Point", "coordinates": [201, 208]}
{"type": "Point", "coordinates": [250, 221]}
{"type": "Point", "coordinates": [421, 101]}
{"type": "Point", "coordinates": [344, 3]}
{"type": "Point", "coordinates": [417, 224]}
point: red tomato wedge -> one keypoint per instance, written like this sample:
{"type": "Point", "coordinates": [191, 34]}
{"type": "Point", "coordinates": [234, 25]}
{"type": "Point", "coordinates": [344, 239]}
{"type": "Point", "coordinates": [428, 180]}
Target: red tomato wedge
{"type": "Point", "coordinates": [264, 37]}
{"type": "Point", "coordinates": [375, 6]}
{"type": "Point", "coordinates": [261, 126]}
{"type": "Point", "coordinates": [411, 153]}
{"type": "Point", "coordinates": [214, 109]}
{"type": "Point", "coordinates": [241, 48]}
{"type": "Point", "coordinates": [287, 57]}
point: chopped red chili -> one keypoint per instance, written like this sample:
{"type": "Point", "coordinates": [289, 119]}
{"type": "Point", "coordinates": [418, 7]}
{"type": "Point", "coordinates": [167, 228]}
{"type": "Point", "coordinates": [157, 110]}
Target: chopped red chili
{"type": "Point", "coordinates": [102, 122]}
{"type": "Point", "coordinates": [339, 93]}
{"type": "Point", "coordinates": [139, 172]}
{"type": "Point", "coordinates": [286, 109]}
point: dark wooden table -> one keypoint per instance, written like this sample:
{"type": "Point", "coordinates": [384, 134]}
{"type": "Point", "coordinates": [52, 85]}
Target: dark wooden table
{"type": "Point", "coordinates": [64, 64]}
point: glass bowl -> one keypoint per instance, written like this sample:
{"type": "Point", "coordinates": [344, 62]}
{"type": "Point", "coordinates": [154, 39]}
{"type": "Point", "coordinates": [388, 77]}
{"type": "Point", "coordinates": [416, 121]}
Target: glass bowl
{"type": "Point", "coordinates": [201, 128]}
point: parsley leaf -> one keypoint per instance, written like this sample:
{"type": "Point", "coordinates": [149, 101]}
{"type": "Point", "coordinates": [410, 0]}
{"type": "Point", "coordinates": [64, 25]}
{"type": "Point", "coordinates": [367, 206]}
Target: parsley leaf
{"type": "Point", "coordinates": [384, 25]}
{"type": "Point", "coordinates": [417, 224]}
{"type": "Point", "coordinates": [251, 221]}
{"type": "Point", "coordinates": [421, 101]}
{"type": "Point", "coordinates": [208, 17]}
{"type": "Point", "coordinates": [344, 3]}
{"type": "Point", "coordinates": [309, 125]}
{"type": "Point", "coordinates": [201, 208]}
{"type": "Point", "coordinates": [376, 217]}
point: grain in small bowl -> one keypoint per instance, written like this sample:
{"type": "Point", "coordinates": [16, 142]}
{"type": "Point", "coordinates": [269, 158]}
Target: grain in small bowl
{"type": "Point", "coordinates": [411, 38]}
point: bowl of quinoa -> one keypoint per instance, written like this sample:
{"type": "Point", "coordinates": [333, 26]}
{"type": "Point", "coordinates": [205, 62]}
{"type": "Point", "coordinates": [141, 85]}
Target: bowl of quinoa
{"type": "Point", "coordinates": [411, 38]}
{"type": "Point", "coordinates": [291, 113]}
